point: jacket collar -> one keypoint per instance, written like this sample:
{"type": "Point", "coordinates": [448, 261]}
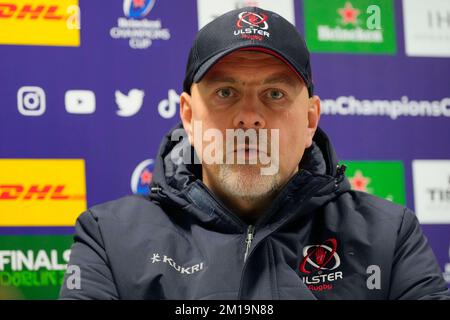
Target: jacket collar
{"type": "Point", "coordinates": [180, 185]}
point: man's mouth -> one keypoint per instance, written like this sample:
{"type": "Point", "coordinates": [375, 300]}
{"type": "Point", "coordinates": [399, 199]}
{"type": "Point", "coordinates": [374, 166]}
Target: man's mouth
{"type": "Point", "coordinates": [248, 152]}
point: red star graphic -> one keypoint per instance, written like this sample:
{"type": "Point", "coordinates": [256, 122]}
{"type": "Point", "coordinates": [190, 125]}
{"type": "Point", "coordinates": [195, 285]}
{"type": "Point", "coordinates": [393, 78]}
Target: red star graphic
{"type": "Point", "coordinates": [359, 182]}
{"type": "Point", "coordinates": [146, 177]}
{"type": "Point", "coordinates": [138, 3]}
{"type": "Point", "coordinates": [349, 14]}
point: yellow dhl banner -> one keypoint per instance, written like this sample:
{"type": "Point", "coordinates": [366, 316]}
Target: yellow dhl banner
{"type": "Point", "coordinates": [40, 22]}
{"type": "Point", "coordinates": [41, 192]}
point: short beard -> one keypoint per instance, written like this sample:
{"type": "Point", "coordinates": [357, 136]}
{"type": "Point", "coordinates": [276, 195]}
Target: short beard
{"type": "Point", "coordinates": [246, 182]}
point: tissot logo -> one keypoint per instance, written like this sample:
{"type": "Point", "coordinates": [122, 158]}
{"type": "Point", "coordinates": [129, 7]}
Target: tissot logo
{"type": "Point", "coordinates": [252, 26]}
{"type": "Point", "coordinates": [432, 190]}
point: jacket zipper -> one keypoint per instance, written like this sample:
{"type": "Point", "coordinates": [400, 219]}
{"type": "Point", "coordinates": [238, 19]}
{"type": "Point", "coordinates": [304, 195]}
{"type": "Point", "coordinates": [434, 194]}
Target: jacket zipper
{"type": "Point", "coordinates": [248, 240]}
{"type": "Point", "coordinates": [250, 235]}
{"type": "Point", "coordinates": [251, 228]}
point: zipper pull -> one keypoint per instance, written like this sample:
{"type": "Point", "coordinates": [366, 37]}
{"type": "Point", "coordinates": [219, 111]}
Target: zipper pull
{"type": "Point", "coordinates": [248, 240]}
{"type": "Point", "coordinates": [155, 189]}
{"type": "Point", "coordinates": [340, 174]}
{"type": "Point", "coordinates": [340, 171]}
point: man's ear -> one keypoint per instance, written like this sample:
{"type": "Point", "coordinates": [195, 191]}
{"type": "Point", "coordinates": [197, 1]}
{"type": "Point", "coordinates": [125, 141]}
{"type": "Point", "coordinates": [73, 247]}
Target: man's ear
{"type": "Point", "coordinates": [186, 114]}
{"type": "Point", "coordinates": [313, 119]}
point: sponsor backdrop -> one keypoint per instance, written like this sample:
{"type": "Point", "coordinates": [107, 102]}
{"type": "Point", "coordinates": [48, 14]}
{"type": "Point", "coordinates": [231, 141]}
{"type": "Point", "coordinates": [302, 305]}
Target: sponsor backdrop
{"type": "Point", "coordinates": [88, 89]}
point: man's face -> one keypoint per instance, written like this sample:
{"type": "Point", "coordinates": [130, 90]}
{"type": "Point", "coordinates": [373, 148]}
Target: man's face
{"type": "Point", "coordinates": [252, 90]}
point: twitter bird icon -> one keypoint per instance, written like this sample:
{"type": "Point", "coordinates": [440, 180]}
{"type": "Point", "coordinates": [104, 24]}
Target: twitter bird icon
{"type": "Point", "coordinates": [129, 104]}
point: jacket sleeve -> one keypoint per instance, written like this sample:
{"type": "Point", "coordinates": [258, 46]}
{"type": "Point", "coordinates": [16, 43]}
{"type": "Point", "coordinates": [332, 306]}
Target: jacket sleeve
{"type": "Point", "coordinates": [416, 273]}
{"type": "Point", "coordinates": [88, 256]}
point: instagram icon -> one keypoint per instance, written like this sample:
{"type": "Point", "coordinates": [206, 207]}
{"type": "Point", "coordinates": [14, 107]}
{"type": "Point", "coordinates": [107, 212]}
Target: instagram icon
{"type": "Point", "coordinates": [31, 101]}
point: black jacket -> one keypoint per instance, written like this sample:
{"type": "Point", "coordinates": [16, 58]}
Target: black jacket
{"type": "Point", "coordinates": [317, 240]}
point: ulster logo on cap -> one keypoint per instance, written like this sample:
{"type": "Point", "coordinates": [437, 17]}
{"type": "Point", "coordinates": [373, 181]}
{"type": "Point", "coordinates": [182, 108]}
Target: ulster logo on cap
{"type": "Point", "coordinates": [252, 20]}
{"type": "Point", "coordinates": [252, 26]}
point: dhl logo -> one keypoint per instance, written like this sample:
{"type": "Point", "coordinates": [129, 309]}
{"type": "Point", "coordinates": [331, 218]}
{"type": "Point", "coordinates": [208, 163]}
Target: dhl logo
{"type": "Point", "coordinates": [40, 22]}
{"type": "Point", "coordinates": [29, 11]}
{"type": "Point", "coordinates": [36, 192]}
{"type": "Point", "coordinates": [41, 192]}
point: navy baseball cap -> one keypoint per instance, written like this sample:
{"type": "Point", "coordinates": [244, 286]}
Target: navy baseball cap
{"type": "Point", "coordinates": [249, 28]}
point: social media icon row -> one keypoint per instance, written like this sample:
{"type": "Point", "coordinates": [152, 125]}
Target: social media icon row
{"type": "Point", "coordinates": [31, 101]}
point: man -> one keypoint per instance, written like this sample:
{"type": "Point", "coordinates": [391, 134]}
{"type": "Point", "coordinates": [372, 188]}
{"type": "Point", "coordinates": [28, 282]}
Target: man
{"type": "Point", "coordinates": [265, 214]}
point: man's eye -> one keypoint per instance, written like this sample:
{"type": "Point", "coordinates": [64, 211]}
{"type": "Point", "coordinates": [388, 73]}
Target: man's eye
{"type": "Point", "coordinates": [224, 93]}
{"type": "Point", "coordinates": [275, 94]}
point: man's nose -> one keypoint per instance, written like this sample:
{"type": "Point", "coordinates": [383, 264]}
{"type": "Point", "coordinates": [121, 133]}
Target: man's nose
{"type": "Point", "coordinates": [249, 116]}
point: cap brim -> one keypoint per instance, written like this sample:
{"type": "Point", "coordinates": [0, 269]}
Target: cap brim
{"type": "Point", "coordinates": [207, 65]}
